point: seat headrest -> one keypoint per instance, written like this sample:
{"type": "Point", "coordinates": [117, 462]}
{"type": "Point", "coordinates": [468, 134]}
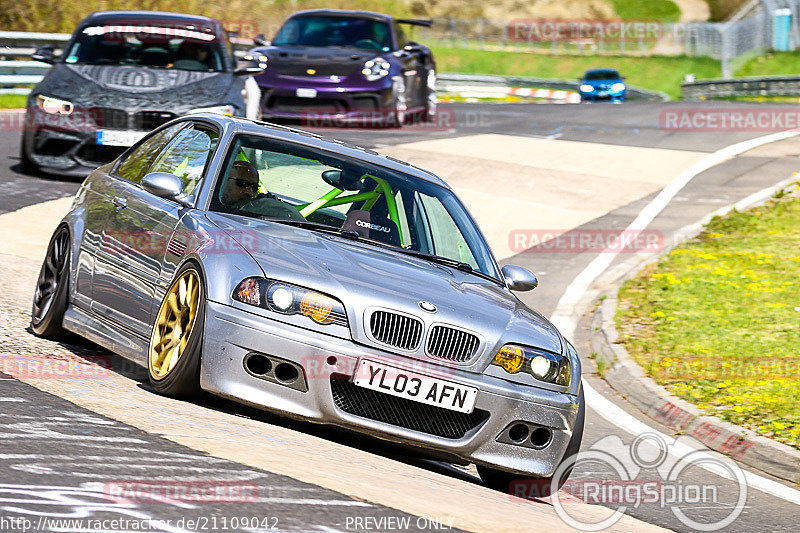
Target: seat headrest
{"type": "Point", "coordinates": [382, 229]}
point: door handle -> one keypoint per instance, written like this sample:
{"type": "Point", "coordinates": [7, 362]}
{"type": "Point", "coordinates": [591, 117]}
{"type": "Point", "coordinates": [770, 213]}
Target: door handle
{"type": "Point", "coordinates": [120, 202]}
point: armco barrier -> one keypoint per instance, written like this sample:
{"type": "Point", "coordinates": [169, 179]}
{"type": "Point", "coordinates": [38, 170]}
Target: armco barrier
{"type": "Point", "coordinates": [764, 86]}
{"type": "Point", "coordinates": [447, 81]}
{"type": "Point", "coordinates": [17, 71]}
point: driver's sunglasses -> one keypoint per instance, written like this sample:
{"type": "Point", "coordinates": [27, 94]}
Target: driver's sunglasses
{"type": "Point", "coordinates": [244, 184]}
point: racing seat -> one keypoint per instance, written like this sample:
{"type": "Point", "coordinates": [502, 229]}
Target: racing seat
{"type": "Point", "coordinates": [381, 229]}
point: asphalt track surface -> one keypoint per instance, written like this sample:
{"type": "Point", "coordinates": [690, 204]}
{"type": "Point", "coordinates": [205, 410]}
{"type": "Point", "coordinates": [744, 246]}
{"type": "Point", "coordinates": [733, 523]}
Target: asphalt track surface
{"type": "Point", "coordinates": [43, 450]}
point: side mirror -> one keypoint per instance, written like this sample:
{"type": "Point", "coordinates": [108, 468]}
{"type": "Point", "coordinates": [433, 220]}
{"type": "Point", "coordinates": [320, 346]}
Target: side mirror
{"type": "Point", "coordinates": [45, 54]}
{"type": "Point", "coordinates": [248, 71]}
{"type": "Point", "coordinates": [261, 40]}
{"type": "Point", "coordinates": [519, 279]}
{"type": "Point", "coordinates": [165, 185]}
{"type": "Point", "coordinates": [413, 47]}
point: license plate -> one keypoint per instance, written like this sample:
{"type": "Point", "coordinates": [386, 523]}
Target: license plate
{"type": "Point", "coordinates": [119, 138]}
{"type": "Point", "coordinates": [602, 93]}
{"type": "Point", "coordinates": [306, 93]}
{"type": "Point", "coordinates": [413, 386]}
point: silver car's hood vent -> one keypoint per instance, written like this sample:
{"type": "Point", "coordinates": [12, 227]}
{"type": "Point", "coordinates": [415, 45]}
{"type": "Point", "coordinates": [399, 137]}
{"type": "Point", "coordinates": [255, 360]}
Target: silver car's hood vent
{"type": "Point", "coordinates": [398, 331]}
{"type": "Point", "coordinates": [451, 344]}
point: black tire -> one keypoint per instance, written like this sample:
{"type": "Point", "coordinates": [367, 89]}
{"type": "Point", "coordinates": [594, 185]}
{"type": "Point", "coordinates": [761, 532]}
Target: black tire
{"type": "Point", "coordinates": [430, 111]}
{"type": "Point", "coordinates": [26, 164]}
{"type": "Point", "coordinates": [183, 380]}
{"type": "Point", "coordinates": [538, 487]}
{"type": "Point", "coordinates": [51, 296]}
{"type": "Point", "coordinates": [398, 113]}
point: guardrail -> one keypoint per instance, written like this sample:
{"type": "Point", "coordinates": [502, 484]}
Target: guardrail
{"type": "Point", "coordinates": [18, 71]}
{"type": "Point", "coordinates": [445, 81]}
{"type": "Point", "coordinates": [761, 86]}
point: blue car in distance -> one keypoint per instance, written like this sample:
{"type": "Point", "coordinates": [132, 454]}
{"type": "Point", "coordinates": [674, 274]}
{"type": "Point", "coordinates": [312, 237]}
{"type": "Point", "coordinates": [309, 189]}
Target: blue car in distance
{"type": "Point", "coordinates": [602, 84]}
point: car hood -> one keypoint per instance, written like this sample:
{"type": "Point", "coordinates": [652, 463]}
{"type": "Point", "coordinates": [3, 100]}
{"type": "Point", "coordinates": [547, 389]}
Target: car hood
{"type": "Point", "coordinates": [132, 87]}
{"type": "Point", "coordinates": [324, 61]}
{"type": "Point", "coordinates": [363, 275]}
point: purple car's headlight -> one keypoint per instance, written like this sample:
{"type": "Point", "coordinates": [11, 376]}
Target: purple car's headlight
{"type": "Point", "coordinates": [375, 69]}
{"type": "Point", "coordinates": [288, 299]}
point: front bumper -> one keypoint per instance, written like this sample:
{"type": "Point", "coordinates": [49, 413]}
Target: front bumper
{"type": "Point", "coordinates": [70, 144]}
{"type": "Point", "coordinates": [603, 95]}
{"type": "Point", "coordinates": [231, 334]}
{"type": "Point", "coordinates": [332, 101]}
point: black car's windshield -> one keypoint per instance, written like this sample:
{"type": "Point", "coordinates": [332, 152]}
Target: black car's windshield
{"type": "Point", "coordinates": [264, 178]}
{"type": "Point", "coordinates": [602, 75]}
{"type": "Point", "coordinates": [367, 34]}
{"type": "Point", "coordinates": [172, 46]}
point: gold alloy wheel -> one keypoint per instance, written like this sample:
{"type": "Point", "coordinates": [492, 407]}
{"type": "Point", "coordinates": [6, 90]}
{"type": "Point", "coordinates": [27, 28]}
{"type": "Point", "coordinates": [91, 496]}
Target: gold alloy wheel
{"type": "Point", "coordinates": [174, 322]}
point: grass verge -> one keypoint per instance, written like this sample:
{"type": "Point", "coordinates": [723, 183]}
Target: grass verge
{"type": "Point", "coordinates": [660, 10]}
{"type": "Point", "coordinates": [772, 64]}
{"type": "Point", "coordinates": [12, 101]}
{"type": "Point", "coordinates": [716, 320]}
{"type": "Point", "coordinates": [655, 73]}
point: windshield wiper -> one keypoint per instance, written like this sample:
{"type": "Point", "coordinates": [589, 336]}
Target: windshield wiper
{"type": "Point", "coordinates": [453, 263]}
{"type": "Point", "coordinates": [354, 235]}
{"type": "Point", "coordinates": [460, 265]}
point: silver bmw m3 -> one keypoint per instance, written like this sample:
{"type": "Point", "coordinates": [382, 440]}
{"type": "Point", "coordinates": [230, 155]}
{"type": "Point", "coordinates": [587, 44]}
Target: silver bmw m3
{"type": "Point", "coordinates": [321, 281]}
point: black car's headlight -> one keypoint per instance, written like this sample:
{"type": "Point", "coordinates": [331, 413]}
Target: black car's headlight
{"type": "Point", "coordinates": [375, 69]}
{"type": "Point", "coordinates": [544, 366]}
{"type": "Point", "coordinates": [288, 299]}
{"type": "Point", "coordinates": [54, 106]}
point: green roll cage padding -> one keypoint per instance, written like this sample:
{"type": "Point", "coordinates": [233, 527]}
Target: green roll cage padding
{"type": "Point", "coordinates": [332, 198]}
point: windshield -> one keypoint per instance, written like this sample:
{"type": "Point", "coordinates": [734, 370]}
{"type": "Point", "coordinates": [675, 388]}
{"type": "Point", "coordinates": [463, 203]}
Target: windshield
{"type": "Point", "coordinates": [170, 46]}
{"type": "Point", "coordinates": [264, 178]}
{"type": "Point", "coordinates": [352, 32]}
{"type": "Point", "coordinates": [602, 75]}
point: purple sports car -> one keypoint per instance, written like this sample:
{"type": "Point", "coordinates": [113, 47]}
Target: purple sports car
{"type": "Point", "coordinates": [330, 66]}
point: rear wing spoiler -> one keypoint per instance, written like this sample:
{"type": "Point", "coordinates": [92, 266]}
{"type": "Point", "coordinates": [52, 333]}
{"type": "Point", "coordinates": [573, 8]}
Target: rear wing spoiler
{"type": "Point", "coordinates": [416, 22]}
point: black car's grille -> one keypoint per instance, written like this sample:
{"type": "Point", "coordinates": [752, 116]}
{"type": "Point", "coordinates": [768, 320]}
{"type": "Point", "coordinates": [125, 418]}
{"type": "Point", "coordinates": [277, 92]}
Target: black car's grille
{"type": "Point", "coordinates": [398, 331]}
{"type": "Point", "coordinates": [401, 412]}
{"type": "Point", "coordinates": [451, 344]}
{"type": "Point", "coordinates": [289, 104]}
{"type": "Point", "coordinates": [319, 69]}
{"type": "Point", "coordinates": [110, 118]}
{"type": "Point", "coordinates": [97, 154]}
{"type": "Point", "coordinates": [150, 120]}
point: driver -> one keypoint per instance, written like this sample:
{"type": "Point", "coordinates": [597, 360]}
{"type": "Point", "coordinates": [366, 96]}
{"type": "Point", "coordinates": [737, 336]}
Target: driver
{"type": "Point", "coordinates": [241, 185]}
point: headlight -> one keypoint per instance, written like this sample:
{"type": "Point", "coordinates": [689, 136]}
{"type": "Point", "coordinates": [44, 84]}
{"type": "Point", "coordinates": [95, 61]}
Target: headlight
{"type": "Point", "coordinates": [289, 299]}
{"type": "Point", "coordinates": [586, 88]}
{"type": "Point", "coordinates": [228, 110]}
{"type": "Point", "coordinates": [375, 69]}
{"type": "Point", "coordinates": [618, 87]}
{"type": "Point", "coordinates": [54, 106]}
{"type": "Point", "coordinates": [262, 60]}
{"type": "Point", "coordinates": [544, 366]}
